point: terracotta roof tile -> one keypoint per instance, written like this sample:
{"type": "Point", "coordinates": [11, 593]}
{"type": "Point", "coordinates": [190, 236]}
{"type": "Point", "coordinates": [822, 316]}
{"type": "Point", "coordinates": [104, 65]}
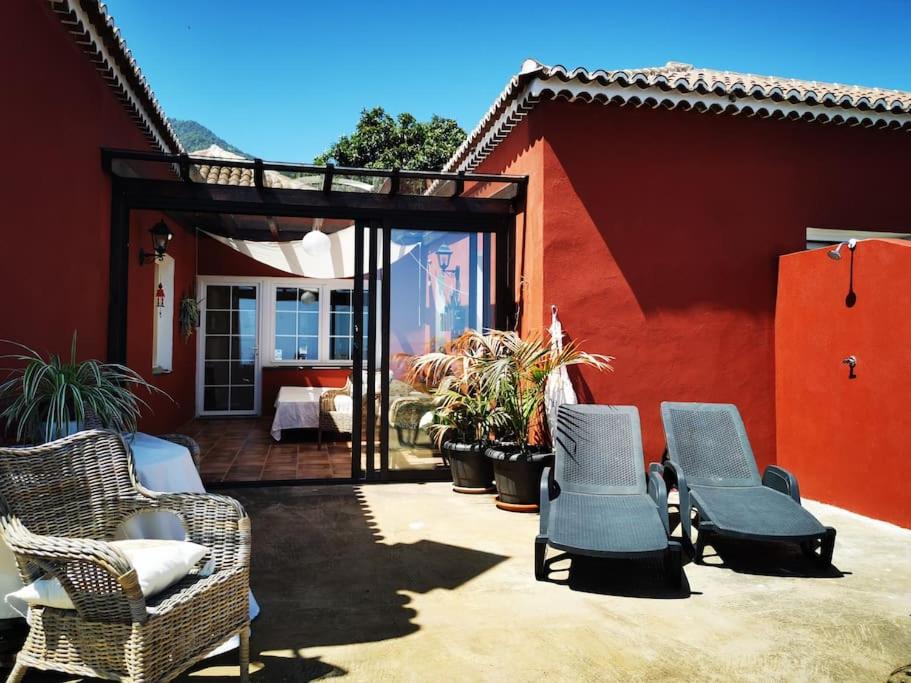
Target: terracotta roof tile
{"type": "Point", "coordinates": [684, 86]}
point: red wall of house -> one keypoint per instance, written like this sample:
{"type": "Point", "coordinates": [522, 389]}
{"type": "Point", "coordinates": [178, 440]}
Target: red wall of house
{"type": "Point", "coordinates": [522, 153]}
{"type": "Point", "coordinates": [180, 384]}
{"type": "Point", "coordinates": [847, 440]}
{"type": "Point", "coordinates": [661, 232]}
{"type": "Point", "coordinates": [57, 115]}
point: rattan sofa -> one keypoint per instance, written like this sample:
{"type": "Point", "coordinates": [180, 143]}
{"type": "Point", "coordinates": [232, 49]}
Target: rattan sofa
{"type": "Point", "coordinates": [59, 505]}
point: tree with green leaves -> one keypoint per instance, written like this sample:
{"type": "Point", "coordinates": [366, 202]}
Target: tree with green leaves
{"type": "Point", "coordinates": [381, 141]}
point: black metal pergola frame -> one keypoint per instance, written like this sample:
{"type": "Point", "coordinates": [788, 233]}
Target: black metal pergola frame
{"type": "Point", "coordinates": [464, 209]}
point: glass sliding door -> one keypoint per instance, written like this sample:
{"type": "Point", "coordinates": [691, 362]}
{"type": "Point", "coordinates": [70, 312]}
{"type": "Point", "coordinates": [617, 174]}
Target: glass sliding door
{"type": "Point", "coordinates": [434, 285]}
{"type": "Point", "coordinates": [228, 380]}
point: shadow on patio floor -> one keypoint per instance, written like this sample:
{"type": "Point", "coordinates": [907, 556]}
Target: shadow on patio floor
{"type": "Point", "coordinates": [324, 577]}
{"type": "Point", "coordinates": [634, 578]}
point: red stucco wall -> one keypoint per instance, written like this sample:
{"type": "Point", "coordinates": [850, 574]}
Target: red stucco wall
{"type": "Point", "coordinates": [661, 232]}
{"type": "Point", "coordinates": [847, 440]}
{"type": "Point", "coordinates": [57, 115]}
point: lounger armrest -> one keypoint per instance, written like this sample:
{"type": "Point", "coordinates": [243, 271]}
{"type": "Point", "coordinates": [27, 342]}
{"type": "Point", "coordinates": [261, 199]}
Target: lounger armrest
{"type": "Point", "coordinates": [674, 477]}
{"type": "Point", "coordinates": [781, 480]}
{"type": "Point", "coordinates": [658, 492]}
{"type": "Point", "coordinates": [546, 490]}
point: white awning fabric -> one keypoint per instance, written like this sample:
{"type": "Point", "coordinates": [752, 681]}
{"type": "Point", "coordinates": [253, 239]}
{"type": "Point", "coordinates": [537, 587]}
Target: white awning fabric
{"type": "Point", "coordinates": [292, 257]}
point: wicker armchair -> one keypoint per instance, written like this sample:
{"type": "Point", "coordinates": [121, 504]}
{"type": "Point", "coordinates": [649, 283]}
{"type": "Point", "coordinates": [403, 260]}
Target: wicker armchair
{"type": "Point", "coordinates": [59, 505]}
{"type": "Point", "coordinates": [187, 442]}
{"type": "Point", "coordinates": [334, 421]}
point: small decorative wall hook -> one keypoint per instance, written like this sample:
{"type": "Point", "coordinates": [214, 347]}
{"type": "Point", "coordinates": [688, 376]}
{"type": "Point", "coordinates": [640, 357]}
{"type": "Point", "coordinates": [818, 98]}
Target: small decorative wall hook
{"type": "Point", "coordinates": [851, 362]}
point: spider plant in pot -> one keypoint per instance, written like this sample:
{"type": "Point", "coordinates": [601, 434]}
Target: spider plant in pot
{"type": "Point", "coordinates": [513, 372]}
{"type": "Point", "coordinates": [43, 399]}
{"type": "Point", "coordinates": [459, 426]}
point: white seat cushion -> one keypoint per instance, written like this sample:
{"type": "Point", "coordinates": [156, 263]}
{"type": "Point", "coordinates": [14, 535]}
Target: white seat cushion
{"type": "Point", "coordinates": [158, 564]}
{"type": "Point", "coordinates": [344, 403]}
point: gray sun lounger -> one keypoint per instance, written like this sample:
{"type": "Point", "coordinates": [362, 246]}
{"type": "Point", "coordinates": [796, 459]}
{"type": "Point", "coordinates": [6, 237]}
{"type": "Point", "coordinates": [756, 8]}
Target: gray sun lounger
{"type": "Point", "coordinates": [598, 501]}
{"type": "Point", "coordinates": [710, 461]}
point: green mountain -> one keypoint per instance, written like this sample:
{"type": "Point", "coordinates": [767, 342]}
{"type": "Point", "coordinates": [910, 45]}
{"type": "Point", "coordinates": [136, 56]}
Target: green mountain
{"type": "Point", "coordinates": [195, 136]}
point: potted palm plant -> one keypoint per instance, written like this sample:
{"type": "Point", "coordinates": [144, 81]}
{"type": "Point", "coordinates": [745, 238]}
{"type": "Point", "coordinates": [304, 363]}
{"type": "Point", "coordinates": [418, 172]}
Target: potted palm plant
{"type": "Point", "coordinates": [461, 409]}
{"type": "Point", "coordinates": [513, 373]}
{"type": "Point", "coordinates": [43, 399]}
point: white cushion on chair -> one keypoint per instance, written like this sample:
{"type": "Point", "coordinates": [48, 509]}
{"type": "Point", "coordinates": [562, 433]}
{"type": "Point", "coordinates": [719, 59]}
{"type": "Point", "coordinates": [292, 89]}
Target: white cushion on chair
{"type": "Point", "coordinates": [344, 403]}
{"type": "Point", "coordinates": [158, 564]}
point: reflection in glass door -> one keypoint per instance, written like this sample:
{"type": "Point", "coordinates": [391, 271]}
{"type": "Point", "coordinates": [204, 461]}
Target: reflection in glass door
{"type": "Point", "coordinates": [228, 380]}
{"type": "Point", "coordinates": [440, 285]}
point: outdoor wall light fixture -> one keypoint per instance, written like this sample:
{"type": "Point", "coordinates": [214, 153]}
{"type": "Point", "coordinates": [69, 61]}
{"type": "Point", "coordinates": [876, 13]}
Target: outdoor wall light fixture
{"type": "Point", "coordinates": [161, 235]}
{"type": "Point", "coordinates": [444, 257]}
{"type": "Point", "coordinates": [835, 254]}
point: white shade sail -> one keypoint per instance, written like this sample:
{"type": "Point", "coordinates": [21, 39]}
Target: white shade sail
{"type": "Point", "coordinates": [293, 257]}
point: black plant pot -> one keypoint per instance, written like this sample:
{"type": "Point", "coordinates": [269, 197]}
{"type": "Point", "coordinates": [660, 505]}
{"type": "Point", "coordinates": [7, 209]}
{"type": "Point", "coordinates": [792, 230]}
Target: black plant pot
{"type": "Point", "coordinates": [518, 476]}
{"type": "Point", "coordinates": [471, 471]}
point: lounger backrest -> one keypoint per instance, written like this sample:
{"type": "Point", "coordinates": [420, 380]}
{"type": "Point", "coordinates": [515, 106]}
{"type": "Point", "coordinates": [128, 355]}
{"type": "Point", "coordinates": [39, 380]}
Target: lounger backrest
{"type": "Point", "coordinates": [709, 443]}
{"type": "Point", "coordinates": [599, 449]}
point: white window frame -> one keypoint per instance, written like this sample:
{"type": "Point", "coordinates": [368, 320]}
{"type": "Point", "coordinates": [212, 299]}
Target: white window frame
{"type": "Point", "coordinates": [202, 282]}
{"type": "Point", "coordinates": [269, 311]}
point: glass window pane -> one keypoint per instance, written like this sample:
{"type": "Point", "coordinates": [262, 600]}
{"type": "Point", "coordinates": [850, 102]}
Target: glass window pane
{"type": "Point", "coordinates": [340, 299]}
{"type": "Point", "coordinates": [218, 296]}
{"type": "Point", "coordinates": [215, 372]}
{"type": "Point", "coordinates": [217, 348]}
{"type": "Point", "coordinates": [285, 348]}
{"type": "Point", "coordinates": [340, 324]}
{"type": "Point", "coordinates": [308, 299]}
{"type": "Point", "coordinates": [242, 347]}
{"type": "Point", "coordinates": [215, 398]}
{"type": "Point", "coordinates": [242, 373]}
{"type": "Point", "coordinates": [243, 298]}
{"type": "Point", "coordinates": [340, 348]}
{"type": "Point", "coordinates": [244, 322]}
{"type": "Point", "coordinates": [307, 348]}
{"type": "Point", "coordinates": [285, 323]}
{"type": "Point", "coordinates": [241, 398]}
{"type": "Point", "coordinates": [218, 322]}
{"type": "Point", "coordinates": [308, 324]}
{"type": "Point", "coordinates": [286, 299]}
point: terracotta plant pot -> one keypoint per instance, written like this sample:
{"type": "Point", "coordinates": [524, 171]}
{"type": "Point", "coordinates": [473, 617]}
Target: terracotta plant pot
{"type": "Point", "coordinates": [518, 476]}
{"type": "Point", "coordinates": [471, 471]}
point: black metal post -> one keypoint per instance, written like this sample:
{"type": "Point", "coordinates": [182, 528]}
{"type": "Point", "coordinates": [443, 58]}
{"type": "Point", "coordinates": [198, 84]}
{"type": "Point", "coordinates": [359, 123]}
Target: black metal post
{"type": "Point", "coordinates": [357, 353]}
{"type": "Point", "coordinates": [118, 276]}
{"type": "Point", "coordinates": [385, 322]}
{"type": "Point", "coordinates": [370, 431]}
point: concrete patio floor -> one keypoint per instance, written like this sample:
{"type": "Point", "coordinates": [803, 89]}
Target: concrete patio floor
{"type": "Point", "coordinates": [411, 582]}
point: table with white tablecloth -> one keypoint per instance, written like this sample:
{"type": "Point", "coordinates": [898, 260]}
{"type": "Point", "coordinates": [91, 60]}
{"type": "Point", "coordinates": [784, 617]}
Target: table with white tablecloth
{"type": "Point", "coordinates": [161, 466]}
{"type": "Point", "coordinates": [296, 408]}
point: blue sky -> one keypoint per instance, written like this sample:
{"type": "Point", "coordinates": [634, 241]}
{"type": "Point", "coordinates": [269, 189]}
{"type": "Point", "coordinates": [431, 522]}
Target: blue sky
{"type": "Point", "coordinates": [282, 80]}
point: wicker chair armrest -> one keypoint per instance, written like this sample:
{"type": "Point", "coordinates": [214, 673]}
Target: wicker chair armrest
{"type": "Point", "coordinates": [327, 400]}
{"type": "Point", "coordinates": [217, 522]}
{"type": "Point", "coordinates": [98, 578]}
{"type": "Point", "coordinates": [187, 442]}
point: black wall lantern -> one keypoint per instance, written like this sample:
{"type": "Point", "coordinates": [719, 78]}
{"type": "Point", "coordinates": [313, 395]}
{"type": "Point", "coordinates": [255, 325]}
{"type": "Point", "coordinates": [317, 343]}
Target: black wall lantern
{"type": "Point", "coordinates": [161, 235]}
{"type": "Point", "coordinates": [444, 257]}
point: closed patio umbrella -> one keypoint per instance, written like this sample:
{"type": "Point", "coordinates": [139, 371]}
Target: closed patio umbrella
{"type": "Point", "coordinates": [558, 389]}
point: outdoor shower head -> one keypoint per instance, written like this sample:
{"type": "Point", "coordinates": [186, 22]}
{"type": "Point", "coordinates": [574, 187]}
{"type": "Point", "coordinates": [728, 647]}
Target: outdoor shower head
{"type": "Point", "coordinates": [835, 254]}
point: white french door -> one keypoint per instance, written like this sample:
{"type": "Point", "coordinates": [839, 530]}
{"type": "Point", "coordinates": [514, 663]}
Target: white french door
{"type": "Point", "coordinates": [228, 363]}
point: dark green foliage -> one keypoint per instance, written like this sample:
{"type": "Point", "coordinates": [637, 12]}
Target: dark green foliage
{"type": "Point", "coordinates": [194, 136]}
{"type": "Point", "coordinates": [381, 141]}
